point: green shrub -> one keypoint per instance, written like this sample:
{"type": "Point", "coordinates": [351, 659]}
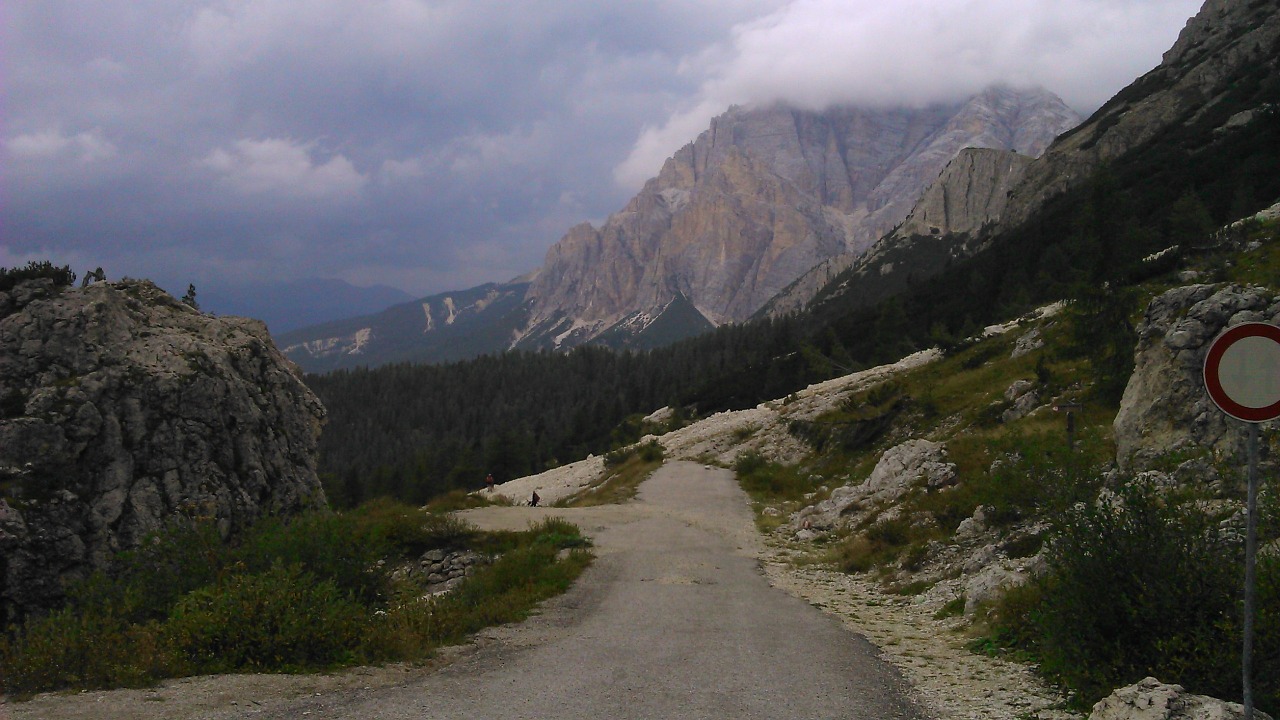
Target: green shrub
{"type": "Point", "coordinates": [409, 530]}
{"type": "Point", "coordinates": [143, 584]}
{"type": "Point", "coordinates": [506, 591]}
{"type": "Point", "coordinates": [953, 608]}
{"type": "Point", "coordinates": [291, 596]}
{"type": "Point", "coordinates": [770, 481]}
{"type": "Point", "coordinates": [651, 452]}
{"type": "Point", "coordinates": [1147, 586]}
{"type": "Point", "coordinates": [614, 458]}
{"type": "Point", "coordinates": [61, 276]}
{"type": "Point", "coordinates": [748, 462]}
{"type": "Point", "coordinates": [559, 534]}
{"type": "Point", "coordinates": [284, 618]}
{"type": "Point", "coordinates": [340, 549]}
{"type": "Point", "coordinates": [91, 649]}
{"type": "Point", "coordinates": [456, 500]}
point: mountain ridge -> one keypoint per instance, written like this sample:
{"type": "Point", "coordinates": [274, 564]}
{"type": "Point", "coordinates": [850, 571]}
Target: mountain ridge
{"type": "Point", "coordinates": [732, 219]}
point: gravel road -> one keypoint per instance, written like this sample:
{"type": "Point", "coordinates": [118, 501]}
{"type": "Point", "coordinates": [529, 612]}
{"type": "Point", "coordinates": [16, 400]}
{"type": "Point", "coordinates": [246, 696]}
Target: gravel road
{"type": "Point", "coordinates": [674, 619]}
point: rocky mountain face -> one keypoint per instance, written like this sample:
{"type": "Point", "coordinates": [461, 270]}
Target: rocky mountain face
{"type": "Point", "coordinates": [762, 197]}
{"type": "Point", "coordinates": [966, 198]}
{"type": "Point", "coordinates": [1227, 48]}
{"type": "Point", "coordinates": [733, 218]}
{"type": "Point", "coordinates": [970, 194]}
{"type": "Point", "coordinates": [122, 409]}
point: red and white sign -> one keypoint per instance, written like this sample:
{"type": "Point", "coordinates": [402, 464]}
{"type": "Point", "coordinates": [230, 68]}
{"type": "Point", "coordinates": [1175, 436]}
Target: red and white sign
{"type": "Point", "coordinates": [1242, 372]}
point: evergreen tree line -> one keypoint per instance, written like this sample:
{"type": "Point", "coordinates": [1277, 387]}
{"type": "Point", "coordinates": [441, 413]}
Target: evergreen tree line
{"type": "Point", "coordinates": [416, 431]}
{"type": "Point", "coordinates": [413, 431]}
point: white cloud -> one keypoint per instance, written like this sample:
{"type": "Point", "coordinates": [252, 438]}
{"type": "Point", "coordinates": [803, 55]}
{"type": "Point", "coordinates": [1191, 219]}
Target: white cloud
{"type": "Point", "coordinates": [86, 147]}
{"type": "Point", "coordinates": [283, 167]}
{"type": "Point", "coordinates": [397, 171]}
{"type": "Point", "coordinates": [818, 53]}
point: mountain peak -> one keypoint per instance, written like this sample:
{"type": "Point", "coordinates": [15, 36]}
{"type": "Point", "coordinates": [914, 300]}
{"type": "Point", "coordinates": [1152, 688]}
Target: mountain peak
{"type": "Point", "coordinates": [766, 193]}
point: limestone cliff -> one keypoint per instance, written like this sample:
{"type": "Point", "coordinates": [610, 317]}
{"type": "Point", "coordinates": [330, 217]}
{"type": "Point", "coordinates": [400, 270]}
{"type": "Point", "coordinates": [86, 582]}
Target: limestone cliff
{"type": "Point", "coordinates": [968, 196]}
{"type": "Point", "coordinates": [120, 409]}
{"type": "Point", "coordinates": [761, 197]}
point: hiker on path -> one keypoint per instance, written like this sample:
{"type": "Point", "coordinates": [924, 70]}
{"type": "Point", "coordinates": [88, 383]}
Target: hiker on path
{"type": "Point", "coordinates": [533, 501]}
{"type": "Point", "coordinates": [488, 482]}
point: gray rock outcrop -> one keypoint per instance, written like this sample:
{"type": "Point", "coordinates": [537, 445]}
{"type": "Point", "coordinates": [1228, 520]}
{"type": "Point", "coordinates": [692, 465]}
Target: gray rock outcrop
{"type": "Point", "coordinates": [900, 468]}
{"type": "Point", "coordinates": [1165, 407]}
{"type": "Point", "coordinates": [121, 409]}
{"type": "Point", "coordinates": [1150, 699]}
{"type": "Point", "coordinates": [947, 223]}
{"type": "Point", "coordinates": [970, 193]}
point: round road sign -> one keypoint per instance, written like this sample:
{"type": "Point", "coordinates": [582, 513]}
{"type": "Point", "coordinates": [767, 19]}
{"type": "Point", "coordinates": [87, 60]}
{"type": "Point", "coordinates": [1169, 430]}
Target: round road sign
{"type": "Point", "coordinates": [1242, 372]}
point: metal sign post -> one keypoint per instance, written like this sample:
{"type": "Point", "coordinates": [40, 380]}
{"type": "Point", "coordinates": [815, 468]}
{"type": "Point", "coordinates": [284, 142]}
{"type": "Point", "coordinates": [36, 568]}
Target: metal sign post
{"type": "Point", "coordinates": [1242, 377]}
{"type": "Point", "coordinates": [1070, 407]}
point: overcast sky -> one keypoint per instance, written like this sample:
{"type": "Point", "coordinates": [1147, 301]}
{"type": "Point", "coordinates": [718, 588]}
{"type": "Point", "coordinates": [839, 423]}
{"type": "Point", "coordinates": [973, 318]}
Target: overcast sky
{"type": "Point", "coordinates": [433, 145]}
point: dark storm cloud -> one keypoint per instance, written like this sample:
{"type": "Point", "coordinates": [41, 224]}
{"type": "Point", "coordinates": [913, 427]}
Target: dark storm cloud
{"type": "Point", "coordinates": [437, 144]}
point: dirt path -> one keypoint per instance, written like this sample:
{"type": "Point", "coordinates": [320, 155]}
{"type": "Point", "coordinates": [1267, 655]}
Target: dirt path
{"type": "Point", "coordinates": [674, 619]}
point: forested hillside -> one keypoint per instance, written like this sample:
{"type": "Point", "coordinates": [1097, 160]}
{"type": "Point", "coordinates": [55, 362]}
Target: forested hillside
{"type": "Point", "coordinates": [415, 431]}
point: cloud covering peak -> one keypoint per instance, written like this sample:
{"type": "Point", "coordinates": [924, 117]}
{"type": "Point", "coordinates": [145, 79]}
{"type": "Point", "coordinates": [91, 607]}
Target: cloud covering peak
{"type": "Point", "coordinates": [814, 54]}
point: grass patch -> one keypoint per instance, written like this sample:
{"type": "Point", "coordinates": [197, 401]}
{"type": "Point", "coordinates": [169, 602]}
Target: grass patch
{"type": "Point", "coordinates": [769, 482]}
{"type": "Point", "coordinates": [622, 480]}
{"type": "Point", "coordinates": [911, 589]}
{"type": "Point", "coordinates": [953, 608]}
{"type": "Point", "coordinates": [878, 545]}
{"type": "Point", "coordinates": [310, 594]}
{"type": "Point", "coordinates": [457, 500]}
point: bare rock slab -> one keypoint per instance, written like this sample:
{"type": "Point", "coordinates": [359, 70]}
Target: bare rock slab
{"type": "Point", "coordinates": [1150, 699]}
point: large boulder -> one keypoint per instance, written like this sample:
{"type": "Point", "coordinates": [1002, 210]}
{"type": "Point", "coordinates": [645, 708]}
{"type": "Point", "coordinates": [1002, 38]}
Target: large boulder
{"type": "Point", "coordinates": [1165, 407]}
{"type": "Point", "coordinates": [1150, 699]}
{"type": "Point", "coordinates": [900, 469]}
{"type": "Point", "coordinates": [122, 409]}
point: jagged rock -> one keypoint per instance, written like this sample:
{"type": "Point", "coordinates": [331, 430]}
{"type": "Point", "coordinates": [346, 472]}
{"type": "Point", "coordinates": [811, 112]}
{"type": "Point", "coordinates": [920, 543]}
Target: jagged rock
{"type": "Point", "coordinates": [1029, 342]}
{"type": "Point", "coordinates": [900, 468]}
{"type": "Point", "coordinates": [972, 527]}
{"type": "Point", "coordinates": [1165, 406]}
{"type": "Point", "coordinates": [1024, 398]}
{"type": "Point", "coordinates": [988, 584]}
{"type": "Point", "coordinates": [763, 196]}
{"type": "Point", "coordinates": [121, 409]}
{"type": "Point", "coordinates": [1150, 699]}
{"type": "Point", "coordinates": [969, 194]}
{"type": "Point", "coordinates": [1018, 389]}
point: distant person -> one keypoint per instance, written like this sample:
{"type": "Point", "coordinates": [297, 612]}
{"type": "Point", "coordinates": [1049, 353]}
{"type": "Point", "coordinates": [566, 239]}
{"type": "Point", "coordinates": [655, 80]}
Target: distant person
{"type": "Point", "coordinates": [533, 501]}
{"type": "Point", "coordinates": [488, 482]}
